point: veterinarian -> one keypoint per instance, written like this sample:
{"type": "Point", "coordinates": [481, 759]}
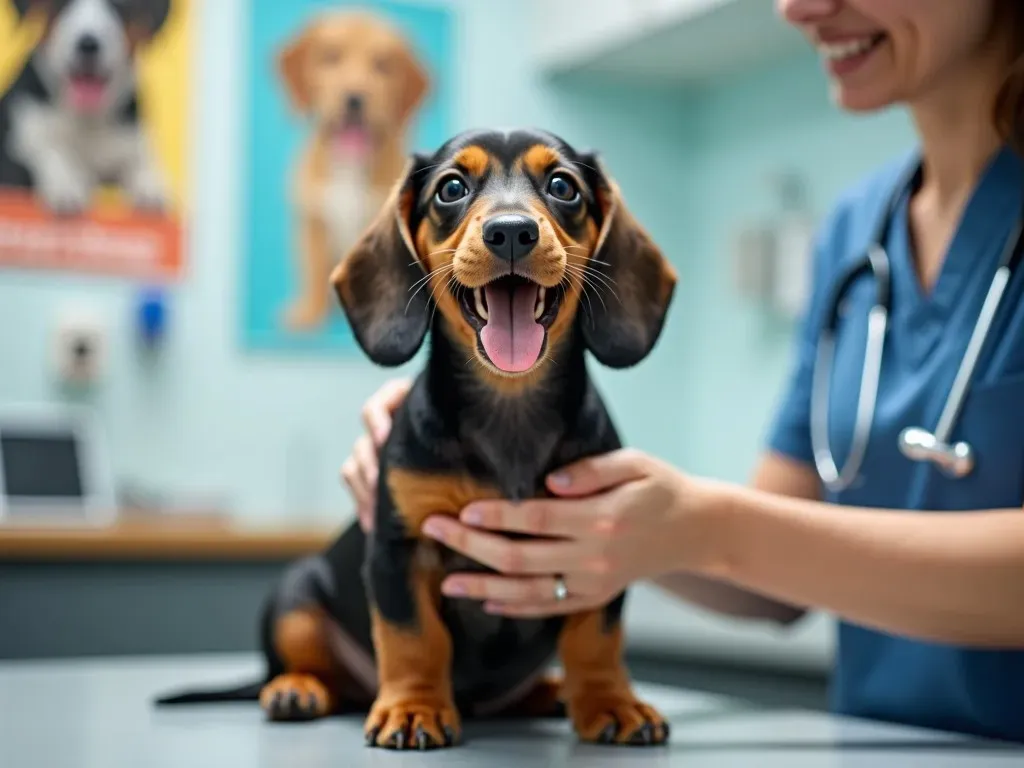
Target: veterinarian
{"type": "Point", "coordinates": [915, 543]}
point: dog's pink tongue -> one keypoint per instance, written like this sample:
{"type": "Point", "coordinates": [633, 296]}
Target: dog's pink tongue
{"type": "Point", "coordinates": [352, 142]}
{"type": "Point", "coordinates": [512, 338]}
{"type": "Point", "coordinates": [87, 93]}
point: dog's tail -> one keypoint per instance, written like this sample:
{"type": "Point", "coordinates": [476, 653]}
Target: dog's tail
{"type": "Point", "coordinates": [244, 692]}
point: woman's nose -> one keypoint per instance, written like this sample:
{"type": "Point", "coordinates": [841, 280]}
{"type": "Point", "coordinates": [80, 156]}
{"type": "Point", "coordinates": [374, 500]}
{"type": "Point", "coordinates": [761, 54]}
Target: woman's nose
{"type": "Point", "coordinates": [806, 11]}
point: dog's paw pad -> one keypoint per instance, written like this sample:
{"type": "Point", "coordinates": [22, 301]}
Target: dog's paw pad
{"type": "Point", "coordinates": [416, 725]}
{"type": "Point", "coordinates": [618, 720]}
{"type": "Point", "coordinates": [295, 697]}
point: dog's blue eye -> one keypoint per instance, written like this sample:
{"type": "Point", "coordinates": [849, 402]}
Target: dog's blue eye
{"type": "Point", "coordinates": [451, 190]}
{"type": "Point", "coordinates": [562, 188]}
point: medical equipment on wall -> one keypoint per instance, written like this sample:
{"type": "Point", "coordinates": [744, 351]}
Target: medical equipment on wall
{"type": "Point", "coordinates": [773, 257]}
{"type": "Point", "coordinates": [957, 460]}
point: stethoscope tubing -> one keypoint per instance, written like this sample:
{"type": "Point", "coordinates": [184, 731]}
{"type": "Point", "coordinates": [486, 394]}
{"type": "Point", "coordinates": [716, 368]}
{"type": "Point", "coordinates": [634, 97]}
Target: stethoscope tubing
{"type": "Point", "coordinates": [915, 443]}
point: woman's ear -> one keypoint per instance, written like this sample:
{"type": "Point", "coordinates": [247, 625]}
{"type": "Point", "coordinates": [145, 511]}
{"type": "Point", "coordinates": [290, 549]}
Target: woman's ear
{"type": "Point", "coordinates": [376, 281]}
{"type": "Point", "coordinates": [621, 330]}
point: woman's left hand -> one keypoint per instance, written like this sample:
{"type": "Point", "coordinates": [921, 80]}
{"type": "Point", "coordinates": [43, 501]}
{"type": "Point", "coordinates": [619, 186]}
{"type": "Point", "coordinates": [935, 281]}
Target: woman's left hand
{"type": "Point", "coordinates": [624, 516]}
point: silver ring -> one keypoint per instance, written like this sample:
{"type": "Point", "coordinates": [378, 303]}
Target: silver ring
{"type": "Point", "coordinates": [561, 591]}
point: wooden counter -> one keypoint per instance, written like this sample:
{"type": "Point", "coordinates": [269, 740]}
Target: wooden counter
{"type": "Point", "coordinates": [167, 583]}
{"type": "Point", "coordinates": [165, 537]}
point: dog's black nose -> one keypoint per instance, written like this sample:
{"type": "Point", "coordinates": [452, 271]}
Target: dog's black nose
{"type": "Point", "coordinates": [355, 104]}
{"type": "Point", "coordinates": [88, 45]}
{"type": "Point", "coordinates": [511, 236]}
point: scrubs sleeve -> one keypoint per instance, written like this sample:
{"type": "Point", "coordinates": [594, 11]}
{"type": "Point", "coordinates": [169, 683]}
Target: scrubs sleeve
{"type": "Point", "coordinates": [790, 430]}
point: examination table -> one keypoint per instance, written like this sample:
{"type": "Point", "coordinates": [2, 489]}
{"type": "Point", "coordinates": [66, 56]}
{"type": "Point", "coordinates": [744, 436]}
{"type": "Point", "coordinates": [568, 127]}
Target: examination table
{"type": "Point", "coordinates": [97, 713]}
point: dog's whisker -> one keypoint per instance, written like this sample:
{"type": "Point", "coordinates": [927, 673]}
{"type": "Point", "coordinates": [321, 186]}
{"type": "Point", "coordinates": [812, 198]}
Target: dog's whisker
{"type": "Point", "coordinates": [590, 260]}
{"type": "Point", "coordinates": [581, 287]}
{"type": "Point", "coordinates": [607, 282]}
{"type": "Point", "coordinates": [423, 282]}
{"type": "Point", "coordinates": [447, 287]}
{"type": "Point", "coordinates": [586, 295]}
{"type": "Point", "coordinates": [443, 250]}
{"type": "Point", "coordinates": [440, 270]}
{"type": "Point", "coordinates": [586, 282]}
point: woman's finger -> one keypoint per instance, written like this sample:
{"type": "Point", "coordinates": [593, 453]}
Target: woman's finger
{"type": "Point", "coordinates": [503, 554]}
{"type": "Point", "coordinates": [599, 473]}
{"type": "Point", "coordinates": [367, 462]}
{"type": "Point", "coordinates": [556, 518]}
{"type": "Point", "coordinates": [381, 405]}
{"type": "Point", "coordinates": [360, 492]}
{"type": "Point", "coordinates": [545, 609]}
{"type": "Point", "coordinates": [520, 590]}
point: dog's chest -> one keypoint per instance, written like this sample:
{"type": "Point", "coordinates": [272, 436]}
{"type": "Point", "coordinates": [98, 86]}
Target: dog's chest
{"type": "Point", "coordinates": [489, 636]}
{"type": "Point", "coordinates": [347, 203]}
{"type": "Point", "coordinates": [41, 130]}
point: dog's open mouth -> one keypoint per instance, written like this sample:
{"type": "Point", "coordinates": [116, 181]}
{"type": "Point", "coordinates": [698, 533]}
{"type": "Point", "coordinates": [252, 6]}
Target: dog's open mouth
{"type": "Point", "coordinates": [87, 90]}
{"type": "Point", "coordinates": [511, 316]}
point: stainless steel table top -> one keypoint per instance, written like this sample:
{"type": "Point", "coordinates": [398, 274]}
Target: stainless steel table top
{"type": "Point", "coordinates": [98, 714]}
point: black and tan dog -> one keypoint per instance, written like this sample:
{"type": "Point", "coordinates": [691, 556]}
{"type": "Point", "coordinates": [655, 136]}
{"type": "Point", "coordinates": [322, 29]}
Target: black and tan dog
{"type": "Point", "coordinates": [516, 255]}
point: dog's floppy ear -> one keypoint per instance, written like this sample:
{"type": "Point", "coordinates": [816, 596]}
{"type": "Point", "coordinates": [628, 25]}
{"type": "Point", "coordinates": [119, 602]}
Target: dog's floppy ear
{"type": "Point", "coordinates": [23, 8]}
{"type": "Point", "coordinates": [291, 66]}
{"type": "Point", "coordinates": [621, 330]}
{"type": "Point", "coordinates": [149, 17]}
{"type": "Point", "coordinates": [378, 280]}
{"type": "Point", "coordinates": [415, 82]}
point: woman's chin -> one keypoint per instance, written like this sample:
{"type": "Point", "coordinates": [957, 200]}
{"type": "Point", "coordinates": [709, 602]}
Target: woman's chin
{"type": "Point", "coordinates": [859, 99]}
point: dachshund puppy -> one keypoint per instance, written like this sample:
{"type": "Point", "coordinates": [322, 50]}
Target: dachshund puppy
{"type": "Point", "coordinates": [516, 256]}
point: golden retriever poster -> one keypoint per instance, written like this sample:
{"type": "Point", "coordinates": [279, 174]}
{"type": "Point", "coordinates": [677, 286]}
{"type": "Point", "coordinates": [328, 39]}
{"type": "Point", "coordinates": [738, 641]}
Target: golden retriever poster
{"type": "Point", "coordinates": [93, 125]}
{"type": "Point", "coordinates": [340, 93]}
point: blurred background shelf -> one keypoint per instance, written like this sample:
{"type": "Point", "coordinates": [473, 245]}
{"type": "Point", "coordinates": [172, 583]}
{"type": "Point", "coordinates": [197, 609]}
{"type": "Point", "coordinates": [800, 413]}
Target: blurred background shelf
{"type": "Point", "coordinates": [167, 536]}
{"type": "Point", "coordinates": [682, 42]}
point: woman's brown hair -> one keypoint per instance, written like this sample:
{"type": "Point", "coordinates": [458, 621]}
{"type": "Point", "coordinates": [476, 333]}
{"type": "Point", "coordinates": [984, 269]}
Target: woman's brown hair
{"type": "Point", "coordinates": [1009, 105]}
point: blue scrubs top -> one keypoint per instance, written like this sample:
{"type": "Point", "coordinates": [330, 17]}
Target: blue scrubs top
{"type": "Point", "coordinates": [877, 675]}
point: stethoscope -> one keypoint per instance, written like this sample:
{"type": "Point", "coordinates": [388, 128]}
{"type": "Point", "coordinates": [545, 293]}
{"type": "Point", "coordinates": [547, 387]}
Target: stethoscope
{"type": "Point", "coordinates": [916, 443]}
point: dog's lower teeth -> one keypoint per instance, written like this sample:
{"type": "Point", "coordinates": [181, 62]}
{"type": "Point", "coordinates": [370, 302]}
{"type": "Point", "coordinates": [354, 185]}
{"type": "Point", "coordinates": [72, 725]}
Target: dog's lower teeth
{"type": "Point", "coordinates": [539, 309]}
{"type": "Point", "coordinates": [478, 300]}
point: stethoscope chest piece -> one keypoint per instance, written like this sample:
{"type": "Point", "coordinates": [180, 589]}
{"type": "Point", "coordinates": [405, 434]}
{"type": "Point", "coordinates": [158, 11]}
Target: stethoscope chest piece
{"type": "Point", "coordinates": [956, 460]}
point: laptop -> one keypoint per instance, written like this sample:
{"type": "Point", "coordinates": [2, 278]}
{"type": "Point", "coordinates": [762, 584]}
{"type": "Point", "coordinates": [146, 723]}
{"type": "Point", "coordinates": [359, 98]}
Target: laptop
{"type": "Point", "coordinates": [54, 467]}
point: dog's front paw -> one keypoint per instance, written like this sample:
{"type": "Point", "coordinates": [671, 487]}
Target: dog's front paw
{"type": "Point", "coordinates": [147, 192]}
{"type": "Point", "coordinates": [63, 191]}
{"type": "Point", "coordinates": [616, 717]}
{"type": "Point", "coordinates": [414, 721]}
{"type": "Point", "coordinates": [294, 697]}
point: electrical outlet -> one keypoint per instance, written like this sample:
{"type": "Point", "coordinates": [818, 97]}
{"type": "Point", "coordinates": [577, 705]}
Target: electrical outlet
{"type": "Point", "coordinates": [79, 347]}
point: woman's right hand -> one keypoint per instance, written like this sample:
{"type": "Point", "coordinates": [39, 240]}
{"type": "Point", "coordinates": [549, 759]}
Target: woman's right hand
{"type": "Point", "coordinates": [360, 469]}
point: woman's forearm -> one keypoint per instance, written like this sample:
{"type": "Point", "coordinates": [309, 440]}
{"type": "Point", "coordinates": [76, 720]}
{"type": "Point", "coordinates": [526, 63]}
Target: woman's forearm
{"type": "Point", "coordinates": [726, 599]}
{"type": "Point", "coordinates": [953, 577]}
{"type": "Point", "coordinates": [775, 474]}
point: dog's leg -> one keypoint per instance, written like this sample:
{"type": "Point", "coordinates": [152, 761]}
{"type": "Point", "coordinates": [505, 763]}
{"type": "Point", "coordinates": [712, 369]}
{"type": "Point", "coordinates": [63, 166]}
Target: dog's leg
{"type": "Point", "coordinates": [598, 690]}
{"type": "Point", "coordinates": [313, 682]}
{"type": "Point", "coordinates": [415, 707]}
{"type": "Point", "coordinates": [59, 180]}
{"type": "Point", "coordinates": [144, 181]}
{"type": "Point", "coordinates": [313, 256]}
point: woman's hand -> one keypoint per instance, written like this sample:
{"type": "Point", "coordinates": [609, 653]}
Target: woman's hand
{"type": "Point", "coordinates": [625, 516]}
{"type": "Point", "coordinates": [359, 471]}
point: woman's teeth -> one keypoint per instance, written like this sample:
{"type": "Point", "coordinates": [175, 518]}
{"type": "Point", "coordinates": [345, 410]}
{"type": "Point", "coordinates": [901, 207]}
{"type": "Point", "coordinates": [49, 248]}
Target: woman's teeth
{"type": "Point", "coordinates": [478, 299]}
{"type": "Point", "coordinates": [848, 48]}
{"type": "Point", "coordinates": [539, 309]}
